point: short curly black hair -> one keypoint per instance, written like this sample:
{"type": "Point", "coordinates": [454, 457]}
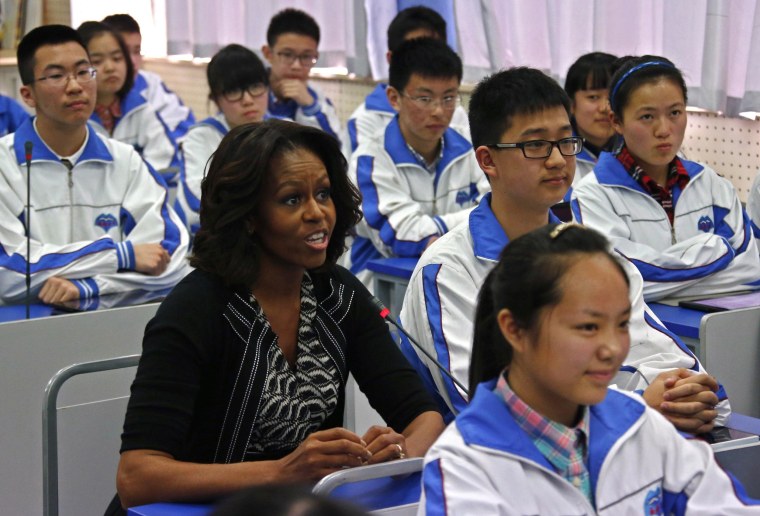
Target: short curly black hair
{"type": "Point", "coordinates": [232, 189]}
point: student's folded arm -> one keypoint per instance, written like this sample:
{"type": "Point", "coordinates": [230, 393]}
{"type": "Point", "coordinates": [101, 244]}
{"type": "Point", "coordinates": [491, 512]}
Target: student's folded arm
{"type": "Point", "coordinates": [389, 207]}
{"type": "Point", "coordinates": [321, 114]}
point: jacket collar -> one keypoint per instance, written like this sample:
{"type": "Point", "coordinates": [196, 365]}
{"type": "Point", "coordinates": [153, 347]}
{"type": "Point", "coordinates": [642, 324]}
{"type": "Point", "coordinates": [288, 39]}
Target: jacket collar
{"type": "Point", "coordinates": [378, 100]}
{"type": "Point", "coordinates": [454, 146]}
{"type": "Point", "coordinates": [609, 171]}
{"type": "Point", "coordinates": [487, 422]}
{"type": "Point", "coordinates": [488, 237]}
{"type": "Point", "coordinates": [95, 149]}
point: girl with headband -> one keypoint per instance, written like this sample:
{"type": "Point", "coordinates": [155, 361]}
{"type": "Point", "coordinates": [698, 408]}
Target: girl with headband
{"type": "Point", "coordinates": [678, 221]}
{"type": "Point", "coordinates": [543, 434]}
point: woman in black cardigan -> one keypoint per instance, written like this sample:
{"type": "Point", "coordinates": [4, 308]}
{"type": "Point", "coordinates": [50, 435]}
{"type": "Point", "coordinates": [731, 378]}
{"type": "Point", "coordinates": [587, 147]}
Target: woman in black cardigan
{"type": "Point", "coordinates": [243, 372]}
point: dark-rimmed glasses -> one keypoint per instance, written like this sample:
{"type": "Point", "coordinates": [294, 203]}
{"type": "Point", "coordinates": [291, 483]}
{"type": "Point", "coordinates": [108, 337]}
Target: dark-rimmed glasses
{"type": "Point", "coordinates": [542, 149]}
{"type": "Point", "coordinates": [237, 95]}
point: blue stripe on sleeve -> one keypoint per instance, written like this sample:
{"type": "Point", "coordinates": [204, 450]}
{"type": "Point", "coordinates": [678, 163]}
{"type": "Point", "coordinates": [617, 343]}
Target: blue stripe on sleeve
{"type": "Point", "coordinates": [127, 221]}
{"type": "Point", "coordinates": [674, 503]}
{"type": "Point", "coordinates": [432, 485]}
{"type": "Point", "coordinates": [740, 491]}
{"type": "Point", "coordinates": [172, 234]}
{"type": "Point", "coordinates": [435, 320]}
{"type": "Point", "coordinates": [352, 134]}
{"type": "Point", "coordinates": [656, 273]}
{"type": "Point", "coordinates": [441, 225]}
{"type": "Point", "coordinates": [87, 287]}
{"type": "Point", "coordinates": [17, 262]}
{"type": "Point", "coordinates": [662, 329]}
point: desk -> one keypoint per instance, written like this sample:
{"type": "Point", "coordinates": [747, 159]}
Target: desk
{"type": "Point", "coordinates": [391, 278]}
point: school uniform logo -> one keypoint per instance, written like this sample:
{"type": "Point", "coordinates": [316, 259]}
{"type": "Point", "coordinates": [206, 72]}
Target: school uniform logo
{"type": "Point", "coordinates": [705, 224]}
{"type": "Point", "coordinates": [467, 196]}
{"type": "Point", "coordinates": [106, 221]}
{"type": "Point", "coordinates": [653, 502]}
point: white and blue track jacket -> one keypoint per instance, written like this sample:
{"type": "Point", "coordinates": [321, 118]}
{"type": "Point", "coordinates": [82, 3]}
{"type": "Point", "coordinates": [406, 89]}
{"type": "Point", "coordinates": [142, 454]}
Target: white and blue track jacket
{"type": "Point", "coordinates": [709, 248]}
{"type": "Point", "coordinates": [176, 115]}
{"type": "Point", "coordinates": [374, 114]}
{"type": "Point", "coordinates": [143, 128]}
{"type": "Point", "coordinates": [197, 147]}
{"type": "Point", "coordinates": [320, 114]}
{"type": "Point", "coordinates": [484, 463]}
{"type": "Point", "coordinates": [404, 204]}
{"type": "Point", "coordinates": [84, 222]}
{"type": "Point", "coordinates": [439, 311]}
{"type": "Point", "coordinates": [753, 206]}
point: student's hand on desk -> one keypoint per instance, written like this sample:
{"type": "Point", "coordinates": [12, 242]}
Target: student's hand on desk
{"type": "Point", "coordinates": [296, 90]}
{"type": "Point", "coordinates": [57, 290]}
{"type": "Point", "coordinates": [151, 259]}
{"type": "Point", "coordinates": [685, 398]}
{"type": "Point", "coordinates": [323, 453]}
{"type": "Point", "coordinates": [384, 444]}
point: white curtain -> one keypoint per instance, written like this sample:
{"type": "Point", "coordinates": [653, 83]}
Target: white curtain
{"type": "Point", "coordinates": [716, 43]}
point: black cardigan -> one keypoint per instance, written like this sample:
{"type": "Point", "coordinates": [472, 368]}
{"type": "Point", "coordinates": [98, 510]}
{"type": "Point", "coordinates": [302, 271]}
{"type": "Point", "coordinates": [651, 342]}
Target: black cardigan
{"type": "Point", "coordinates": [192, 352]}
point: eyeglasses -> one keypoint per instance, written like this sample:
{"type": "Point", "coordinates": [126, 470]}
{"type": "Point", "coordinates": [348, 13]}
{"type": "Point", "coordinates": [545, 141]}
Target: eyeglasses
{"type": "Point", "coordinates": [57, 79]}
{"type": "Point", "coordinates": [237, 95]}
{"type": "Point", "coordinates": [307, 60]}
{"type": "Point", "coordinates": [542, 149]}
{"type": "Point", "coordinates": [428, 103]}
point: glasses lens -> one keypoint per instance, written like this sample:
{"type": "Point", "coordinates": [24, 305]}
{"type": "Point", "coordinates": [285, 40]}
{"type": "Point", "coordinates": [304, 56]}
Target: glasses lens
{"type": "Point", "coordinates": [307, 60]}
{"type": "Point", "coordinates": [537, 149]}
{"type": "Point", "coordinates": [570, 146]}
{"type": "Point", "coordinates": [233, 96]}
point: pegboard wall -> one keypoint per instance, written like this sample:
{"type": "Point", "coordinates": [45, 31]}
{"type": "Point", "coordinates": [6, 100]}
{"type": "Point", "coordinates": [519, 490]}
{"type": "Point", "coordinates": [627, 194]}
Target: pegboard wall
{"type": "Point", "coordinates": [731, 146]}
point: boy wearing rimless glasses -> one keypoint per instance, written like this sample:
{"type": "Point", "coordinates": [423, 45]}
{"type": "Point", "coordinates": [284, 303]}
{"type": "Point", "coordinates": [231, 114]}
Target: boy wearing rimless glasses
{"type": "Point", "coordinates": [291, 49]}
{"type": "Point", "coordinates": [99, 220]}
{"type": "Point", "coordinates": [524, 143]}
{"type": "Point", "coordinates": [419, 177]}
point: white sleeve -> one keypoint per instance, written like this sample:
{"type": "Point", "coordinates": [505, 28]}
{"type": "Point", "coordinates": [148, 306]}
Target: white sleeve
{"type": "Point", "coordinates": [195, 157]}
{"type": "Point", "coordinates": [692, 477]}
{"type": "Point", "coordinates": [665, 272]}
{"type": "Point", "coordinates": [152, 220]}
{"type": "Point", "coordinates": [753, 205]}
{"type": "Point", "coordinates": [438, 311]}
{"type": "Point", "coordinates": [158, 147]}
{"type": "Point", "coordinates": [654, 349]}
{"type": "Point", "coordinates": [320, 114]}
{"type": "Point", "coordinates": [178, 117]}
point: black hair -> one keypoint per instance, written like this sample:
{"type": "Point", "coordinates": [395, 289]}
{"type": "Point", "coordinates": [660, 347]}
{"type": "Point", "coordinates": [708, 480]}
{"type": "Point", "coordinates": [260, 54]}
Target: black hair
{"type": "Point", "coordinates": [235, 68]}
{"type": "Point", "coordinates": [590, 72]}
{"type": "Point", "coordinates": [427, 57]}
{"type": "Point", "coordinates": [232, 189]}
{"type": "Point", "coordinates": [122, 23]}
{"type": "Point", "coordinates": [292, 21]}
{"type": "Point", "coordinates": [526, 280]}
{"type": "Point", "coordinates": [40, 37]}
{"type": "Point", "coordinates": [497, 99]}
{"type": "Point", "coordinates": [633, 72]}
{"type": "Point", "coordinates": [92, 29]}
{"type": "Point", "coordinates": [413, 19]}
{"type": "Point", "coordinates": [284, 500]}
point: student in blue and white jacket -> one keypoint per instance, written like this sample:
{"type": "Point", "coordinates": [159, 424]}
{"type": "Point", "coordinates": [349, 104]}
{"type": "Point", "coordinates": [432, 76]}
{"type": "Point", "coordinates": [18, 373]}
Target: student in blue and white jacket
{"type": "Point", "coordinates": [177, 116]}
{"type": "Point", "coordinates": [544, 434]}
{"type": "Point", "coordinates": [525, 105]}
{"type": "Point", "coordinates": [100, 220]}
{"type": "Point", "coordinates": [753, 206]}
{"type": "Point", "coordinates": [374, 114]}
{"type": "Point", "coordinates": [237, 83]}
{"type": "Point", "coordinates": [291, 50]}
{"type": "Point", "coordinates": [419, 178]}
{"type": "Point", "coordinates": [678, 221]}
{"type": "Point", "coordinates": [121, 112]}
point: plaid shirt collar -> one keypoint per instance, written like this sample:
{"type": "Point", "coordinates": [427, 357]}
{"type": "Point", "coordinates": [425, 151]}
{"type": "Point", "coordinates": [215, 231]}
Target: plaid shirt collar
{"type": "Point", "coordinates": [430, 167]}
{"type": "Point", "coordinates": [109, 114]}
{"type": "Point", "coordinates": [564, 447]}
{"type": "Point", "coordinates": [677, 174]}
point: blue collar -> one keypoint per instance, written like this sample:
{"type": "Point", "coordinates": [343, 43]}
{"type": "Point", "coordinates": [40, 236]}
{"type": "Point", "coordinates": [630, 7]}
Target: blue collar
{"type": "Point", "coordinates": [132, 101]}
{"type": "Point", "coordinates": [216, 123]}
{"type": "Point", "coordinates": [454, 146]}
{"type": "Point", "coordinates": [609, 171]}
{"type": "Point", "coordinates": [488, 237]}
{"type": "Point", "coordinates": [487, 422]}
{"type": "Point", "coordinates": [94, 150]}
{"type": "Point", "coordinates": [378, 100]}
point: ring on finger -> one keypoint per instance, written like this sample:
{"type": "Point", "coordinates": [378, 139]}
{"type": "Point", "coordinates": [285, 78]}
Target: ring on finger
{"type": "Point", "coordinates": [401, 454]}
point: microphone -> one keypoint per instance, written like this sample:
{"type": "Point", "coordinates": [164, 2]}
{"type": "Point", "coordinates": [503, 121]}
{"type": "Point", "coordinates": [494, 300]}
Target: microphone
{"type": "Point", "coordinates": [28, 154]}
{"type": "Point", "coordinates": [386, 314]}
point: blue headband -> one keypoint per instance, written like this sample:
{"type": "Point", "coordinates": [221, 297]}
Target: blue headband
{"type": "Point", "coordinates": [630, 72]}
